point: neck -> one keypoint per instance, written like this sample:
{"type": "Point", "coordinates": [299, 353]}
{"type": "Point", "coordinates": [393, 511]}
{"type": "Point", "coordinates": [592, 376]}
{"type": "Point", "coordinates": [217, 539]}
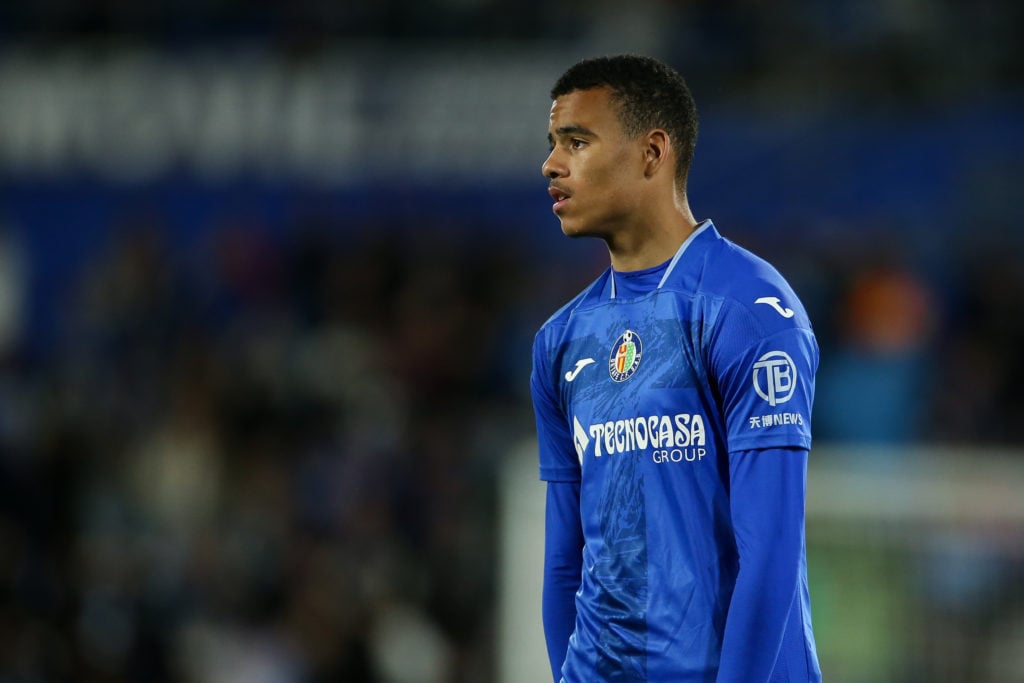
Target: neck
{"type": "Point", "coordinates": [653, 240]}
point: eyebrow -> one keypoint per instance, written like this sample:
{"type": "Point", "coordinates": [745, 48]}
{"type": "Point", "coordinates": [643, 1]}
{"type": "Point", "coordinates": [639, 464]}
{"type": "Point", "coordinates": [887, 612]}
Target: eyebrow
{"type": "Point", "coordinates": [569, 130]}
{"type": "Point", "coordinates": [562, 131]}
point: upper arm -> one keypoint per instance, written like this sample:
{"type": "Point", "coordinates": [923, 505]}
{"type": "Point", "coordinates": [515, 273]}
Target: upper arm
{"type": "Point", "coordinates": [563, 528]}
{"type": "Point", "coordinates": [764, 370]}
{"type": "Point", "coordinates": [558, 458]}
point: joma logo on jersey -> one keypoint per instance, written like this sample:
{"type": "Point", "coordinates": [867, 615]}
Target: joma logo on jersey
{"type": "Point", "coordinates": [625, 358]}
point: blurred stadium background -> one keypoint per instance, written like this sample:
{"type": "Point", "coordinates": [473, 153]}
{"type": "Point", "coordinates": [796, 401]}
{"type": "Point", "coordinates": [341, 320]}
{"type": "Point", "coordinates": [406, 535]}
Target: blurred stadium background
{"type": "Point", "coordinates": [269, 277]}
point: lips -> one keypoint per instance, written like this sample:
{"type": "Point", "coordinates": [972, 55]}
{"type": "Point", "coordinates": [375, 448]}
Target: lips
{"type": "Point", "coordinates": [560, 196]}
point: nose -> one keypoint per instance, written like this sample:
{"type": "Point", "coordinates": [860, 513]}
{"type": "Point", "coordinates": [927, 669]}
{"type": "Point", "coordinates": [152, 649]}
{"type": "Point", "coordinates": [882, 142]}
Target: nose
{"type": "Point", "coordinates": [553, 167]}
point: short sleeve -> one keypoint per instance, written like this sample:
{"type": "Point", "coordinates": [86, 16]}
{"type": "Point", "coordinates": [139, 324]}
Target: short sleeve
{"type": "Point", "coordinates": [764, 374]}
{"type": "Point", "coordinates": [558, 459]}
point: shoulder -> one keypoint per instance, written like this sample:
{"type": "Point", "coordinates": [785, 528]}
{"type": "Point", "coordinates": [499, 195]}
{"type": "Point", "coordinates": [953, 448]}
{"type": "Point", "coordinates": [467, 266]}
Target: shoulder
{"type": "Point", "coordinates": [759, 291]}
{"type": "Point", "coordinates": [742, 287]}
{"type": "Point", "coordinates": [555, 324]}
{"type": "Point", "coordinates": [550, 341]}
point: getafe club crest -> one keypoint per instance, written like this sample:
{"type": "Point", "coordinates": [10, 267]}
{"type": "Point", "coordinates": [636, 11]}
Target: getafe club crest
{"type": "Point", "coordinates": [625, 358]}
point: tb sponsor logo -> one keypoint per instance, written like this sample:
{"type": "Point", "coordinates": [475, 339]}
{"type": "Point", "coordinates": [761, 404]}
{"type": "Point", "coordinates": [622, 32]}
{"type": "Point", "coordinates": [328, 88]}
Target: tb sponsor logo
{"type": "Point", "coordinates": [775, 377]}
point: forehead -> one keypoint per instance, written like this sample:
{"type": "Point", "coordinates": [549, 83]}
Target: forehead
{"type": "Point", "coordinates": [593, 109]}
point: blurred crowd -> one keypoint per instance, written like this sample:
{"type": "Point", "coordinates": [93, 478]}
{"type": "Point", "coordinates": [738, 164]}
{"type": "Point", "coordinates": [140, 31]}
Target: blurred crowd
{"type": "Point", "coordinates": [257, 460]}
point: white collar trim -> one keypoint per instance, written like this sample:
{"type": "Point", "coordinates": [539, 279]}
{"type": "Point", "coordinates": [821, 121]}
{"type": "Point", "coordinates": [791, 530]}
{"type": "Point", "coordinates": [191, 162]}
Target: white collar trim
{"type": "Point", "coordinates": [704, 225]}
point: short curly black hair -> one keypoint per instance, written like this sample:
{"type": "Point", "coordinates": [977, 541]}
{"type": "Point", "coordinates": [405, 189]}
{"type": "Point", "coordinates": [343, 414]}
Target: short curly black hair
{"type": "Point", "coordinates": [650, 94]}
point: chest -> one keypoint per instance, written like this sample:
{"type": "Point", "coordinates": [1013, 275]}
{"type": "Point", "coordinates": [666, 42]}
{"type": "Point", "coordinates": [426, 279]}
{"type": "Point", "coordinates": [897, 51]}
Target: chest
{"type": "Point", "coordinates": [622, 355]}
{"type": "Point", "coordinates": [633, 385]}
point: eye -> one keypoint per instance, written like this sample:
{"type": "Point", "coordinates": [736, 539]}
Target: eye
{"type": "Point", "coordinates": [577, 143]}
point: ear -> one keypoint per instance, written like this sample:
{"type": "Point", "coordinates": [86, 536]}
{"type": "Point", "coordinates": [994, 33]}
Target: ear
{"type": "Point", "coordinates": [656, 148]}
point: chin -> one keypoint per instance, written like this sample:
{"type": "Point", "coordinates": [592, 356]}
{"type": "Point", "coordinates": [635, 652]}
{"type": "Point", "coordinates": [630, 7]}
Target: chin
{"type": "Point", "coordinates": [575, 231]}
{"type": "Point", "coordinates": [571, 229]}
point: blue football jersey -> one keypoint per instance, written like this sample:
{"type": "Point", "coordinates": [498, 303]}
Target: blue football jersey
{"type": "Point", "coordinates": [641, 400]}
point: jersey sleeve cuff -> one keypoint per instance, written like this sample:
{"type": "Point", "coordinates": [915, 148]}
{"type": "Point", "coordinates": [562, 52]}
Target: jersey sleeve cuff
{"type": "Point", "coordinates": [761, 442]}
{"type": "Point", "coordinates": [568, 474]}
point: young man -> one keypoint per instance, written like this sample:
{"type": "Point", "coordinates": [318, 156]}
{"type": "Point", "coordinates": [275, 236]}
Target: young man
{"type": "Point", "coordinates": [673, 401]}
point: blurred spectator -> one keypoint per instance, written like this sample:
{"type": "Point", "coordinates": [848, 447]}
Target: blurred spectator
{"type": "Point", "coordinates": [875, 379]}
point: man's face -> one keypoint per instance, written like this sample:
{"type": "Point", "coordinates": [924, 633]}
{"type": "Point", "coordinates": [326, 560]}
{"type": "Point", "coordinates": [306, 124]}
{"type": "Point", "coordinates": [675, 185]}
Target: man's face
{"type": "Point", "coordinates": [594, 168]}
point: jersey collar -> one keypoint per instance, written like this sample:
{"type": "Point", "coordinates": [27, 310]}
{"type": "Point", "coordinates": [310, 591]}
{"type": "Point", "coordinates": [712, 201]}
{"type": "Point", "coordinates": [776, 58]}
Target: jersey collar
{"type": "Point", "coordinates": [701, 227]}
